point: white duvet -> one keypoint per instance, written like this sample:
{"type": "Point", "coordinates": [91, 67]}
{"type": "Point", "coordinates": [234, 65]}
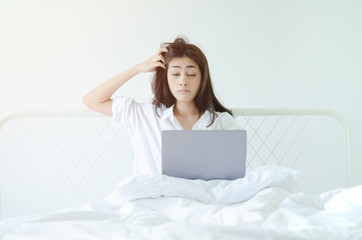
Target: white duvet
{"type": "Point", "coordinates": [263, 205]}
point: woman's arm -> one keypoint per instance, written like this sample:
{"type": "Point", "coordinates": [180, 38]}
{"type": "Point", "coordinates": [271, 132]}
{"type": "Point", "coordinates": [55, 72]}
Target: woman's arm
{"type": "Point", "coordinates": [99, 99]}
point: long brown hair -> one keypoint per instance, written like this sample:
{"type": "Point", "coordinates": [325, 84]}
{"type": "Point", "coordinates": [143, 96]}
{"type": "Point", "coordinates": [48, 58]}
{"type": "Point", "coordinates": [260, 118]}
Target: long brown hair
{"type": "Point", "coordinates": [205, 99]}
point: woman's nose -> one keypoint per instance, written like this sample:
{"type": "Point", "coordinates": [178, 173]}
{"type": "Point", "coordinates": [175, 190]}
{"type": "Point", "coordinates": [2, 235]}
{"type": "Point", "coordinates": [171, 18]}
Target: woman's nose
{"type": "Point", "coordinates": [183, 81]}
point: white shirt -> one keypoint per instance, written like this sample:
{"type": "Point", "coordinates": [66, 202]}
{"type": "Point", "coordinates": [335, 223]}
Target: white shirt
{"type": "Point", "coordinates": [145, 127]}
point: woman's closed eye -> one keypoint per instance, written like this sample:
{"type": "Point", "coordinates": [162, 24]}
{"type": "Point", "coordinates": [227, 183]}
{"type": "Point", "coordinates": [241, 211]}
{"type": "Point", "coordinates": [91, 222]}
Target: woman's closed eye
{"type": "Point", "coordinates": [177, 74]}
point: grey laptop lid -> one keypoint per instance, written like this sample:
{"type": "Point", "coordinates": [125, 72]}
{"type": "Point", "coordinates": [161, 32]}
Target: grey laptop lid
{"type": "Point", "coordinates": [204, 154]}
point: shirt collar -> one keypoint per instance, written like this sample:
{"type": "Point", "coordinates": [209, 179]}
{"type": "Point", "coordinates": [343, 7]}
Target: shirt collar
{"type": "Point", "coordinates": [202, 123]}
{"type": "Point", "coordinates": [168, 112]}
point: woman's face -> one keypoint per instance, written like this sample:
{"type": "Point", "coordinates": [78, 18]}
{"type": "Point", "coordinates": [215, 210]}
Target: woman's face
{"type": "Point", "coordinates": [184, 78]}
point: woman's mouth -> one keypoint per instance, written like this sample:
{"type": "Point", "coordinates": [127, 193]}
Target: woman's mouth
{"type": "Point", "coordinates": [183, 91]}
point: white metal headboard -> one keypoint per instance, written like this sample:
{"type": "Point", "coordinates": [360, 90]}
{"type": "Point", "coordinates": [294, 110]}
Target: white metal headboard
{"type": "Point", "coordinates": [51, 160]}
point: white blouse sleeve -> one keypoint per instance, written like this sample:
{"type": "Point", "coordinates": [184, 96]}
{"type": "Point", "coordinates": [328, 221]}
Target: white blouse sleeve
{"type": "Point", "coordinates": [228, 122]}
{"type": "Point", "coordinates": [124, 110]}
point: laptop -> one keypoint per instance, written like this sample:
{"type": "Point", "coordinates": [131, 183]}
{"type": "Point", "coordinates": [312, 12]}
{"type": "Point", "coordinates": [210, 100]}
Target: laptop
{"type": "Point", "coordinates": [204, 154]}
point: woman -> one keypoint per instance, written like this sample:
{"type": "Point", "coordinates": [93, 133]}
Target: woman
{"type": "Point", "coordinates": [184, 100]}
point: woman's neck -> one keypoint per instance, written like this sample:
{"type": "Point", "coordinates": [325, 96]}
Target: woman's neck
{"type": "Point", "coordinates": [187, 114]}
{"type": "Point", "coordinates": [186, 110]}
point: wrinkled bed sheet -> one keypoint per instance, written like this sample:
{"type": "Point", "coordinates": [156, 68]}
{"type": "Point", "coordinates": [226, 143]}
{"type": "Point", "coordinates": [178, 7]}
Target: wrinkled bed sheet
{"type": "Point", "coordinates": [161, 207]}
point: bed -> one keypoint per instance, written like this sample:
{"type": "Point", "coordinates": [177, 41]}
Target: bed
{"type": "Point", "coordinates": [68, 174]}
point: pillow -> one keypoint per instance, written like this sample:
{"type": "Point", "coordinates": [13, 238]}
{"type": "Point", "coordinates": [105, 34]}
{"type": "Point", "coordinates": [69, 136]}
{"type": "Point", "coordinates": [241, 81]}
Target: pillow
{"type": "Point", "coordinates": [210, 192]}
{"type": "Point", "coordinates": [256, 180]}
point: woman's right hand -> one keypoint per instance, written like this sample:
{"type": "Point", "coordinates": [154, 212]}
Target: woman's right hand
{"type": "Point", "coordinates": [154, 62]}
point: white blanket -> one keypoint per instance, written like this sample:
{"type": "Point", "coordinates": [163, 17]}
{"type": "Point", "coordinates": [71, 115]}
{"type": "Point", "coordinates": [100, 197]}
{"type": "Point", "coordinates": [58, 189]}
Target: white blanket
{"type": "Point", "coordinates": [260, 206]}
{"type": "Point", "coordinates": [210, 192]}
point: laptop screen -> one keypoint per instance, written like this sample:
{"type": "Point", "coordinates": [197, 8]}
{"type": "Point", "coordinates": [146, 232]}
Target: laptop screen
{"type": "Point", "coordinates": [204, 154]}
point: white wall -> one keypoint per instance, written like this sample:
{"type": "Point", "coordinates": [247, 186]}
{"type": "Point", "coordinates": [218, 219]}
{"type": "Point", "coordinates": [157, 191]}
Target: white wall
{"type": "Point", "coordinates": [261, 53]}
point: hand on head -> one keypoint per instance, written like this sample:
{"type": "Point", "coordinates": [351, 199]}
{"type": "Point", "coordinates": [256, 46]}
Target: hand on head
{"type": "Point", "coordinates": [154, 62]}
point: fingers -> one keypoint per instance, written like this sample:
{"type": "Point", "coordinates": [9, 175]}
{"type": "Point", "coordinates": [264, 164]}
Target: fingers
{"type": "Point", "coordinates": [160, 64]}
{"type": "Point", "coordinates": [160, 51]}
{"type": "Point", "coordinates": [155, 61]}
{"type": "Point", "coordinates": [160, 58]}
